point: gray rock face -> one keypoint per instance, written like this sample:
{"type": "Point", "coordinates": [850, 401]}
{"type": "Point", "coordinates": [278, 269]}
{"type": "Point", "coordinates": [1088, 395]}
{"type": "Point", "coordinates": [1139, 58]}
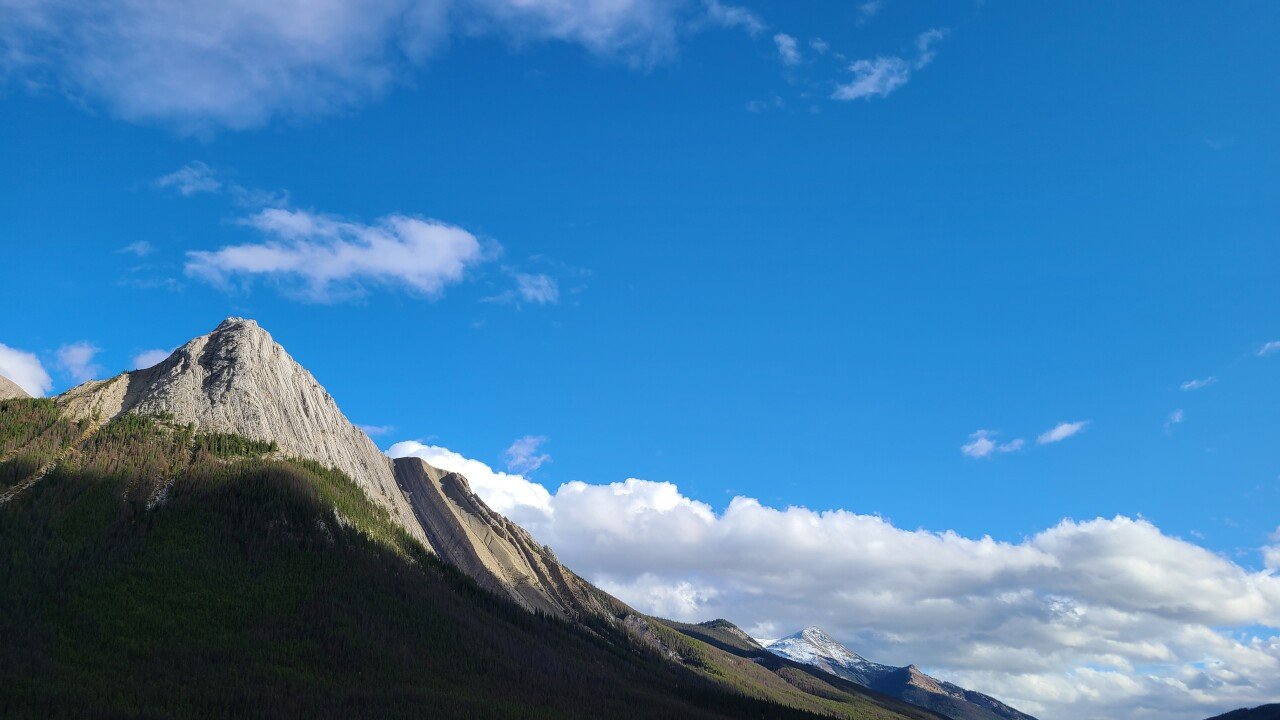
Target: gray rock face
{"type": "Point", "coordinates": [9, 389]}
{"type": "Point", "coordinates": [237, 379]}
{"type": "Point", "coordinates": [496, 552]}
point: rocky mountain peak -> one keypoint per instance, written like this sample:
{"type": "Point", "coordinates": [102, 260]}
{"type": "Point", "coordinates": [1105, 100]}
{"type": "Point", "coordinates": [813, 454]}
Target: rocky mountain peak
{"type": "Point", "coordinates": [238, 379]}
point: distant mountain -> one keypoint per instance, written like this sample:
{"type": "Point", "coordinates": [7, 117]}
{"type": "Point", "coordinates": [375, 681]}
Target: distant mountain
{"type": "Point", "coordinates": [1262, 712]}
{"type": "Point", "coordinates": [814, 647]}
{"type": "Point", "coordinates": [212, 537]}
{"type": "Point", "coordinates": [10, 389]}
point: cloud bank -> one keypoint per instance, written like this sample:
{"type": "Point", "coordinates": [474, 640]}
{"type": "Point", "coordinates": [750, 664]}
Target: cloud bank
{"type": "Point", "coordinates": [1086, 620]}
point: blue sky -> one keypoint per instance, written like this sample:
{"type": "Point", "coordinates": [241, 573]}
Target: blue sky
{"type": "Point", "coordinates": [693, 261]}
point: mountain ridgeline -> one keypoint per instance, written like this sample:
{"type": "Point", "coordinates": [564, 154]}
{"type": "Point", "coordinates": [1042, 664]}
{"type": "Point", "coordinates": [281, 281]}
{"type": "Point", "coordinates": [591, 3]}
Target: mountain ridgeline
{"type": "Point", "coordinates": [814, 647]}
{"type": "Point", "coordinates": [211, 537]}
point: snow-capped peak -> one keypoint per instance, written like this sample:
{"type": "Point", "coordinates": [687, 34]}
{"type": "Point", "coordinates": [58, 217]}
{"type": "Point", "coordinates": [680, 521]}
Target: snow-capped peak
{"type": "Point", "coordinates": [813, 646]}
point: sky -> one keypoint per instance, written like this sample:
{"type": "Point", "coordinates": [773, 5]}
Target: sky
{"type": "Point", "coordinates": [951, 327]}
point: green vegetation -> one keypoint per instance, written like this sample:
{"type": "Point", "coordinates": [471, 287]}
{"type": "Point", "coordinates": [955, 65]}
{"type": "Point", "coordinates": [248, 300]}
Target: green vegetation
{"type": "Point", "coordinates": [155, 572]}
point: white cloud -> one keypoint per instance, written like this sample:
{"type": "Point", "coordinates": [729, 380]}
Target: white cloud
{"type": "Point", "coordinates": [1088, 620]}
{"type": "Point", "coordinates": [25, 370]}
{"type": "Point", "coordinates": [239, 63]}
{"type": "Point", "coordinates": [523, 455]}
{"type": "Point", "coordinates": [1174, 418]}
{"type": "Point", "coordinates": [76, 359]}
{"type": "Point", "coordinates": [191, 179]}
{"type": "Point", "coordinates": [539, 288]}
{"type": "Point", "coordinates": [328, 259]}
{"type": "Point", "coordinates": [732, 16]}
{"type": "Point", "coordinates": [1271, 553]}
{"type": "Point", "coordinates": [884, 74]}
{"type": "Point", "coordinates": [788, 49]}
{"type": "Point", "coordinates": [150, 358]}
{"type": "Point", "coordinates": [1061, 432]}
{"type": "Point", "coordinates": [1268, 348]}
{"type": "Point", "coordinates": [868, 10]}
{"type": "Point", "coordinates": [142, 248]}
{"type": "Point", "coordinates": [1196, 384]}
{"type": "Point", "coordinates": [819, 46]}
{"type": "Point", "coordinates": [983, 444]}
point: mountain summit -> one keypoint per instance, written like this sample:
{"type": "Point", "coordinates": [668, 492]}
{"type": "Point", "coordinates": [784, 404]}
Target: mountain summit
{"type": "Point", "coordinates": [238, 379]}
{"type": "Point", "coordinates": [815, 648]}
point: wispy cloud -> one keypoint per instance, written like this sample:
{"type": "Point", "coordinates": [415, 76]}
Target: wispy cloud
{"type": "Point", "coordinates": [142, 248]}
{"type": "Point", "coordinates": [325, 259]}
{"type": "Point", "coordinates": [76, 359]}
{"type": "Point", "coordinates": [1174, 418]}
{"type": "Point", "coordinates": [25, 370]}
{"type": "Point", "coordinates": [733, 16]}
{"type": "Point", "coordinates": [376, 430]}
{"type": "Point", "coordinates": [868, 10]}
{"type": "Point", "coordinates": [1269, 348]}
{"type": "Point", "coordinates": [983, 444]}
{"type": "Point", "coordinates": [191, 179]}
{"type": "Point", "coordinates": [882, 75]}
{"type": "Point", "coordinates": [524, 457]}
{"type": "Point", "coordinates": [1198, 383]}
{"type": "Point", "coordinates": [788, 49]}
{"type": "Point", "coordinates": [1061, 432]}
{"type": "Point", "coordinates": [150, 358]}
{"type": "Point", "coordinates": [200, 65]}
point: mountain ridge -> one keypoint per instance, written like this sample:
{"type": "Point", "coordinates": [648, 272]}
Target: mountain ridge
{"type": "Point", "coordinates": [813, 646]}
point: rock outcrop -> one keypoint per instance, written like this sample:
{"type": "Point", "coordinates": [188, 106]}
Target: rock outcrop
{"type": "Point", "coordinates": [10, 389]}
{"type": "Point", "coordinates": [497, 553]}
{"type": "Point", "coordinates": [237, 379]}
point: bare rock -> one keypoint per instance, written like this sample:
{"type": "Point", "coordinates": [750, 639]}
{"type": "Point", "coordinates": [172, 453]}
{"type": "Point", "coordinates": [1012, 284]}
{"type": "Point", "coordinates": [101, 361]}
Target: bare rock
{"type": "Point", "coordinates": [10, 389]}
{"type": "Point", "coordinates": [237, 379]}
{"type": "Point", "coordinates": [497, 553]}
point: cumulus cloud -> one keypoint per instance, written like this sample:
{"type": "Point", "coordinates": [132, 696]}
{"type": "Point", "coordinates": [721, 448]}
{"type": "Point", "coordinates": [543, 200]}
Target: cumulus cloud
{"type": "Point", "coordinates": [523, 455]}
{"type": "Point", "coordinates": [1197, 384]}
{"type": "Point", "coordinates": [983, 444]}
{"type": "Point", "coordinates": [150, 358]}
{"type": "Point", "coordinates": [1085, 620]}
{"type": "Point", "coordinates": [1269, 348]}
{"type": "Point", "coordinates": [1061, 432]}
{"type": "Point", "coordinates": [238, 64]}
{"type": "Point", "coordinates": [788, 49]}
{"type": "Point", "coordinates": [868, 10]}
{"type": "Point", "coordinates": [732, 16]}
{"type": "Point", "coordinates": [882, 75]}
{"type": "Point", "coordinates": [324, 259]}
{"type": "Point", "coordinates": [191, 179]}
{"type": "Point", "coordinates": [76, 359]}
{"type": "Point", "coordinates": [25, 370]}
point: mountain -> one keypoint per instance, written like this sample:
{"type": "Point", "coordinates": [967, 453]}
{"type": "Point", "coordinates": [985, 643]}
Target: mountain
{"type": "Point", "coordinates": [814, 647]}
{"type": "Point", "coordinates": [10, 389]}
{"type": "Point", "coordinates": [237, 379]}
{"type": "Point", "coordinates": [1262, 712]}
{"type": "Point", "coordinates": [212, 537]}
